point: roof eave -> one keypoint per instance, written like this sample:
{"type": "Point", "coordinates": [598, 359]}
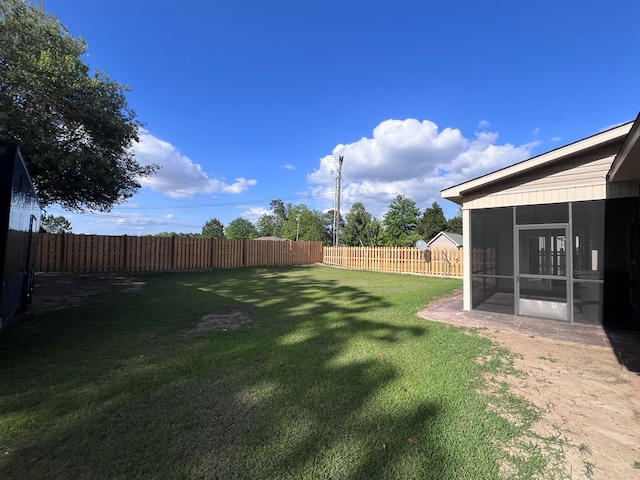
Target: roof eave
{"type": "Point", "coordinates": [457, 192]}
{"type": "Point", "coordinates": [631, 146]}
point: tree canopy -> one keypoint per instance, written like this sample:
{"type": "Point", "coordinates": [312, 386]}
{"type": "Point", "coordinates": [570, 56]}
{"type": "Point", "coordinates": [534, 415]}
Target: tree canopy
{"type": "Point", "coordinates": [213, 229]}
{"type": "Point", "coordinates": [54, 224]}
{"type": "Point", "coordinates": [360, 228]}
{"type": "Point", "coordinates": [74, 127]}
{"type": "Point", "coordinates": [400, 222]}
{"type": "Point", "coordinates": [240, 228]}
{"type": "Point", "coordinates": [454, 224]}
{"type": "Point", "coordinates": [316, 227]}
{"type": "Point", "coordinates": [433, 222]}
{"type": "Point", "coordinates": [266, 225]}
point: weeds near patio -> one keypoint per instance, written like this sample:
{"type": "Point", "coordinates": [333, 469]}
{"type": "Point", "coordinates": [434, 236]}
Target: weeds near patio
{"type": "Point", "coordinates": [331, 375]}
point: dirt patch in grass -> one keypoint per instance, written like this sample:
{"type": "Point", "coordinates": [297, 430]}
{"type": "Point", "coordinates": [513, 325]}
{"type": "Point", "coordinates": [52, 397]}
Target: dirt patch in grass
{"type": "Point", "coordinates": [590, 402]}
{"type": "Point", "coordinates": [222, 320]}
{"type": "Point", "coordinates": [60, 290]}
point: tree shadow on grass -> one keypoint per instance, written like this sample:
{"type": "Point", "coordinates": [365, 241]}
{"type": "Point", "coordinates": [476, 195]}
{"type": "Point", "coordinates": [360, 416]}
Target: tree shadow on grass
{"type": "Point", "coordinates": [116, 389]}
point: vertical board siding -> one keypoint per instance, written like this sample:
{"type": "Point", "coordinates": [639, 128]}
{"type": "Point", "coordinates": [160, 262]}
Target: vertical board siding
{"type": "Point", "coordinates": [443, 261]}
{"type": "Point", "coordinates": [102, 253]}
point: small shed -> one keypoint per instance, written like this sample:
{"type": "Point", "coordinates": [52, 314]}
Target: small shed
{"type": "Point", "coordinates": [557, 236]}
{"type": "Point", "coordinates": [272, 239]}
{"type": "Point", "coordinates": [446, 240]}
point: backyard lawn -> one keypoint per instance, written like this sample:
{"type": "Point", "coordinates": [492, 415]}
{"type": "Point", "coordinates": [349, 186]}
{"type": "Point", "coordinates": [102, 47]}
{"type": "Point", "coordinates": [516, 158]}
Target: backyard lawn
{"type": "Point", "coordinates": [292, 373]}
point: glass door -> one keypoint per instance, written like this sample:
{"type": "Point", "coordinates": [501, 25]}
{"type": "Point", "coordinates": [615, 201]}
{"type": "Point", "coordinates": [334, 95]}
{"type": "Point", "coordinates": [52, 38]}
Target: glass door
{"type": "Point", "coordinates": [542, 280]}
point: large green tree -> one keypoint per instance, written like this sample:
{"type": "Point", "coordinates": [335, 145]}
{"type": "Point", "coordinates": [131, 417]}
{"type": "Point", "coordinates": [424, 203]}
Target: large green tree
{"type": "Point", "coordinates": [400, 222]}
{"type": "Point", "coordinates": [54, 224]}
{"type": "Point", "coordinates": [360, 228]}
{"type": "Point", "coordinates": [318, 227]}
{"type": "Point", "coordinates": [432, 222]}
{"type": "Point", "coordinates": [266, 225]}
{"type": "Point", "coordinates": [74, 126]}
{"type": "Point", "coordinates": [240, 228]}
{"type": "Point", "coordinates": [272, 224]}
{"type": "Point", "coordinates": [306, 225]}
{"type": "Point", "coordinates": [213, 229]}
{"type": "Point", "coordinates": [279, 215]}
{"type": "Point", "coordinates": [295, 216]}
{"type": "Point", "coordinates": [454, 224]}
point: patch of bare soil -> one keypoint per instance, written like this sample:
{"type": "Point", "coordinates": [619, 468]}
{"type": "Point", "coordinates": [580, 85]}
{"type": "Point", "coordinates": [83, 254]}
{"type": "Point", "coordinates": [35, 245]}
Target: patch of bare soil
{"type": "Point", "coordinates": [588, 396]}
{"type": "Point", "coordinates": [222, 320]}
{"type": "Point", "coordinates": [59, 290]}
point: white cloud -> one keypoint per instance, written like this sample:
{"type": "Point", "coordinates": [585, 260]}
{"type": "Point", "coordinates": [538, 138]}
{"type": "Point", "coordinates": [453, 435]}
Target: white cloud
{"type": "Point", "coordinates": [412, 158]}
{"type": "Point", "coordinates": [483, 124]}
{"type": "Point", "coordinates": [170, 216]}
{"type": "Point", "coordinates": [179, 176]}
{"type": "Point", "coordinates": [288, 166]}
{"type": "Point", "coordinates": [535, 131]}
{"type": "Point", "coordinates": [556, 139]}
{"type": "Point", "coordinates": [255, 213]}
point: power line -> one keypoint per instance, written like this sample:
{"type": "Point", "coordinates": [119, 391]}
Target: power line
{"type": "Point", "coordinates": [149, 221]}
{"type": "Point", "coordinates": [130, 219]}
{"type": "Point", "coordinates": [225, 204]}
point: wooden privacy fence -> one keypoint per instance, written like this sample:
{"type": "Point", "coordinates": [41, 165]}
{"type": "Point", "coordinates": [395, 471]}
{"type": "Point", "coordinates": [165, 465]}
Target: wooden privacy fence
{"type": "Point", "coordinates": [433, 261]}
{"type": "Point", "coordinates": [102, 253]}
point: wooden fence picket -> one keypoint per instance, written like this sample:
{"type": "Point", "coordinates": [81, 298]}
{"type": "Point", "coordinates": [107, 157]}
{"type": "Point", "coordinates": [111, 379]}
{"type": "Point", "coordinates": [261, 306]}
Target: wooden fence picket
{"type": "Point", "coordinates": [103, 253]}
{"type": "Point", "coordinates": [434, 261]}
{"type": "Point", "coordinates": [95, 253]}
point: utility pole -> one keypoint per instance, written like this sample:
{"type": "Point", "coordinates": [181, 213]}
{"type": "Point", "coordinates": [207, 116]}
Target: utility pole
{"type": "Point", "coordinates": [336, 210]}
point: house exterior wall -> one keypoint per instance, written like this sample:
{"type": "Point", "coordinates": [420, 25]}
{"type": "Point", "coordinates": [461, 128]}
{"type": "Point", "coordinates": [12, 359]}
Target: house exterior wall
{"type": "Point", "coordinates": [577, 176]}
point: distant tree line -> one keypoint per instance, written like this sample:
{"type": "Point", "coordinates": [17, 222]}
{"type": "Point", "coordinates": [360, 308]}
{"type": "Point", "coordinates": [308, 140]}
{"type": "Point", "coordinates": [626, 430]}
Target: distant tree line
{"type": "Point", "coordinates": [402, 225]}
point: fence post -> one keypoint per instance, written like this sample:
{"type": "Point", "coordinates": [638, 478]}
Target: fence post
{"type": "Point", "coordinates": [62, 253]}
{"type": "Point", "coordinates": [124, 253]}
{"type": "Point", "coordinates": [173, 252]}
{"type": "Point", "coordinates": [244, 252]}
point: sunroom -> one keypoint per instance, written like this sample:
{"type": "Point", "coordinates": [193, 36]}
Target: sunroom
{"type": "Point", "coordinates": [556, 236]}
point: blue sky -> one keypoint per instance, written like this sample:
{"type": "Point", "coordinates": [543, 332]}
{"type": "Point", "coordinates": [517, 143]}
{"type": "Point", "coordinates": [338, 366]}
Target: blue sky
{"type": "Point", "coordinates": [249, 101]}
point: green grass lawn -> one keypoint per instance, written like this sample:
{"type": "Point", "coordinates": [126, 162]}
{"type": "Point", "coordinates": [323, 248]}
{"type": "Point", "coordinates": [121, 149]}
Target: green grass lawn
{"type": "Point", "coordinates": [336, 378]}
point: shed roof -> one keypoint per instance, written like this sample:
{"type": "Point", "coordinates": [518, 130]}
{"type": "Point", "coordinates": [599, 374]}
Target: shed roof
{"type": "Point", "coordinates": [455, 238]}
{"type": "Point", "coordinates": [273, 239]}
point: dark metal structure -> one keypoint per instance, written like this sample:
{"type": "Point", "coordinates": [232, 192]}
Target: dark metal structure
{"type": "Point", "coordinates": [19, 220]}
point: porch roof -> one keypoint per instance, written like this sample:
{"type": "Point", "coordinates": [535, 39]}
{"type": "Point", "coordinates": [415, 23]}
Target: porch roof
{"type": "Point", "coordinates": [626, 165]}
{"type": "Point", "coordinates": [615, 134]}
